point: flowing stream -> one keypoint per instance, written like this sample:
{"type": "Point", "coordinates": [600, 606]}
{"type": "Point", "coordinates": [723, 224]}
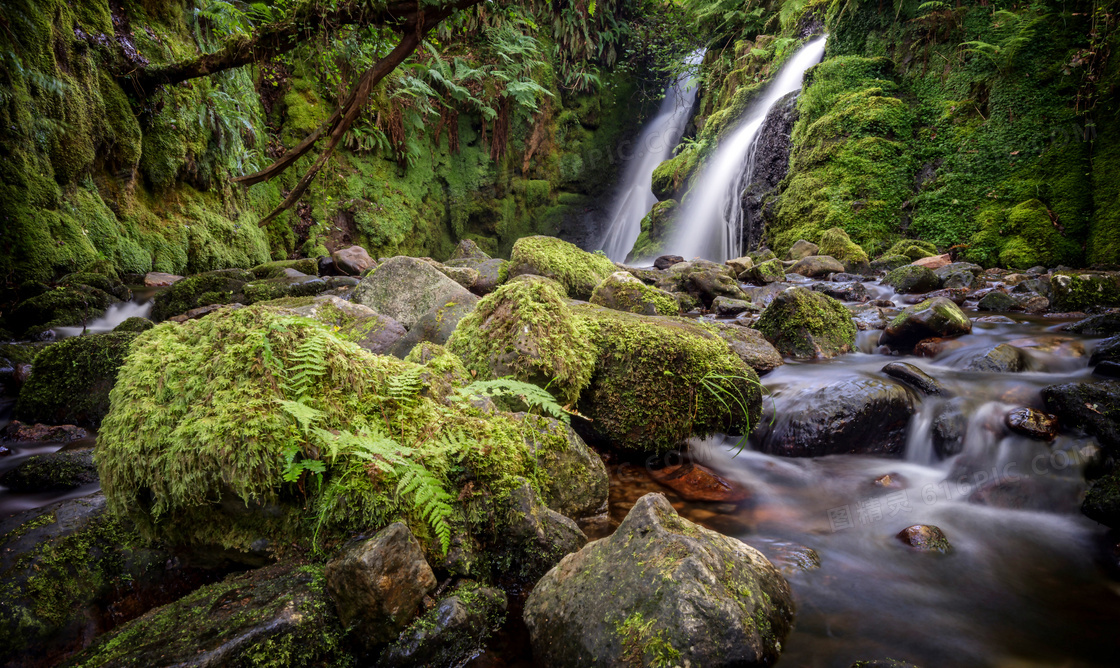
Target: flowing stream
{"type": "Point", "coordinates": [710, 223]}
{"type": "Point", "coordinates": [655, 144]}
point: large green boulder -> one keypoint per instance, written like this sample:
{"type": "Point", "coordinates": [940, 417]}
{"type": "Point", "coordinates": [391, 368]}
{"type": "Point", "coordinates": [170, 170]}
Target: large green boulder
{"type": "Point", "coordinates": [936, 317]}
{"type": "Point", "coordinates": [660, 591]}
{"type": "Point", "coordinates": [914, 249]}
{"type": "Point", "coordinates": [1078, 291]}
{"type": "Point", "coordinates": [213, 287]}
{"type": "Point", "coordinates": [764, 273]}
{"type": "Point", "coordinates": [71, 380]}
{"type": "Point", "coordinates": [836, 243]}
{"type": "Point", "coordinates": [575, 269]}
{"type": "Point", "coordinates": [659, 380]}
{"type": "Point", "coordinates": [622, 292]}
{"type": "Point", "coordinates": [805, 324]}
{"type": "Point", "coordinates": [527, 330]}
{"type": "Point", "coordinates": [912, 279]}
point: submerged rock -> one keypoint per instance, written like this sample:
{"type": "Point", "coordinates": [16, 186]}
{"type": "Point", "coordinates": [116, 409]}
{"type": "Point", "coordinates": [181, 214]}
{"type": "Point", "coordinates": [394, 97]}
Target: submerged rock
{"type": "Point", "coordinates": [71, 380]}
{"type": "Point", "coordinates": [858, 415]}
{"type": "Point", "coordinates": [1102, 501]}
{"type": "Point", "coordinates": [937, 317]}
{"type": "Point", "coordinates": [379, 584]}
{"type": "Point", "coordinates": [694, 482]}
{"type": "Point", "coordinates": [925, 538]}
{"type": "Point", "coordinates": [276, 613]}
{"type": "Point", "coordinates": [806, 324]}
{"type": "Point", "coordinates": [54, 471]}
{"type": "Point", "coordinates": [660, 590]}
{"type": "Point", "coordinates": [405, 288]}
{"type": "Point", "coordinates": [1002, 358]}
{"type": "Point", "coordinates": [1032, 423]}
{"type": "Point", "coordinates": [949, 429]}
{"type": "Point", "coordinates": [845, 292]}
{"type": "Point", "coordinates": [575, 269]}
{"type": "Point", "coordinates": [622, 292]}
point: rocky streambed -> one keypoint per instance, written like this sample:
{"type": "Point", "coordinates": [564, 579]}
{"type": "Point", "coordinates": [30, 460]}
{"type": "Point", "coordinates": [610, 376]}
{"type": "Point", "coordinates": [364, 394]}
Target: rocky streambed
{"type": "Point", "coordinates": [812, 461]}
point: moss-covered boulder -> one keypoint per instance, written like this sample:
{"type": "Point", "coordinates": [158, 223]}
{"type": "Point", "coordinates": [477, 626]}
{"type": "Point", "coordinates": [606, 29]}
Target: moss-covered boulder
{"type": "Point", "coordinates": [997, 301]}
{"type": "Point", "coordinates": [369, 329]}
{"type": "Point", "coordinates": [703, 279]}
{"type": "Point", "coordinates": [214, 287]}
{"type": "Point", "coordinates": [283, 268]}
{"type": "Point", "coordinates": [764, 273]}
{"type": "Point", "coordinates": [405, 288]}
{"type": "Point", "coordinates": [837, 244]}
{"type": "Point", "coordinates": [1026, 235]}
{"type": "Point", "coordinates": [936, 317]}
{"type": "Point", "coordinates": [622, 292]}
{"type": "Point", "coordinates": [1078, 291]}
{"type": "Point", "coordinates": [658, 381]}
{"type": "Point", "coordinates": [656, 227]}
{"type": "Point", "coordinates": [914, 249]}
{"type": "Point", "coordinates": [912, 279]}
{"type": "Point", "coordinates": [58, 307]}
{"type": "Point", "coordinates": [577, 486]}
{"type": "Point", "coordinates": [527, 330]}
{"type": "Point", "coordinates": [71, 380]}
{"type": "Point", "coordinates": [817, 266]}
{"type": "Point", "coordinates": [274, 616]}
{"type": "Point", "coordinates": [108, 284]}
{"type": "Point", "coordinates": [63, 470]}
{"type": "Point", "coordinates": [291, 286]}
{"type": "Point", "coordinates": [660, 591]}
{"type": "Point", "coordinates": [135, 324]}
{"type": "Point", "coordinates": [276, 418]}
{"type": "Point", "coordinates": [806, 324]}
{"type": "Point", "coordinates": [889, 263]}
{"type": "Point", "coordinates": [576, 269]}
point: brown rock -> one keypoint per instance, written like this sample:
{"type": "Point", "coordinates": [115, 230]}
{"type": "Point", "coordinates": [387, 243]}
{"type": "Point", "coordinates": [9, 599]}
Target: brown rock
{"type": "Point", "coordinates": [353, 261]}
{"type": "Point", "coordinates": [1032, 423]}
{"type": "Point", "coordinates": [925, 538]}
{"type": "Point", "coordinates": [42, 433]}
{"type": "Point", "coordinates": [694, 482]}
{"type": "Point", "coordinates": [933, 261]}
{"type": "Point", "coordinates": [158, 279]}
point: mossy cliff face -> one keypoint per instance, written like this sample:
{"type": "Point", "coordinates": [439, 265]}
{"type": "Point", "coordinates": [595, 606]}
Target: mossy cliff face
{"type": "Point", "coordinates": [91, 172]}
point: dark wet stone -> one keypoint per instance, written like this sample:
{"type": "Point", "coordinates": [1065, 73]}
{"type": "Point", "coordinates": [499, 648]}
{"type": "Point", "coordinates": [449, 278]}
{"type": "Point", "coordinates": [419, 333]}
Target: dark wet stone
{"type": "Point", "coordinates": [1102, 501]}
{"type": "Point", "coordinates": [868, 317]}
{"type": "Point", "coordinates": [949, 430]}
{"type": "Point", "coordinates": [751, 347]}
{"type": "Point", "coordinates": [1093, 407]}
{"type": "Point", "coordinates": [666, 261]}
{"type": "Point", "coordinates": [42, 433]}
{"type": "Point", "coordinates": [1107, 370]}
{"type": "Point", "coordinates": [999, 359]}
{"type": "Point", "coordinates": [702, 595]}
{"type": "Point", "coordinates": [51, 472]}
{"type": "Point", "coordinates": [925, 538]}
{"type": "Point", "coordinates": [1032, 423]}
{"type": "Point", "coordinates": [884, 663]}
{"type": "Point", "coordinates": [1106, 324]}
{"type": "Point", "coordinates": [937, 317]}
{"type": "Point", "coordinates": [436, 325]}
{"type": "Point", "coordinates": [694, 482]}
{"type": "Point", "coordinates": [915, 378]}
{"type": "Point", "coordinates": [1106, 351]}
{"type": "Point", "coordinates": [858, 415]}
{"type": "Point", "coordinates": [997, 301]}
{"type": "Point", "coordinates": [912, 279]}
{"type": "Point", "coordinates": [537, 536]}
{"type": "Point", "coordinates": [845, 292]}
{"type": "Point", "coordinates": [725, 306]}
{"type": "Point", "coordinates": [451, 633]}
{"type": "Point", "coordinates": [1034, 286]}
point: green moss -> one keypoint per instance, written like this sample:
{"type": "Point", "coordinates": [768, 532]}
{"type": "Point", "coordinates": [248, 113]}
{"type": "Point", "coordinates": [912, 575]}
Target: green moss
{"type": "Point", "coordinates": [1081, 290]}
{"type": "Point", "coordinates": [527, 330]}
{"type": "Point", "coordinates": [575, 269]}
{"type": "Point", "coordinates": [655, 226]}
{"type": "Point", "coordinates": [62, 306]}
{"type": "Point", "coordinates": [71, 380]}
{"type": "Point", "coordinates": [836, 243]}
{"type": "Point", "coordinates": [622, 292]}
{"type": "Point", "coordinates": [217, 287]}
{"type": "Point", "coordinates": [914, 249]}
{"type": "Point", "coordinates": [806, 324]}
{"type": "Point", "coordinates": [1022, 237]}
{"type": "Point", "coordinates": [275, 269]}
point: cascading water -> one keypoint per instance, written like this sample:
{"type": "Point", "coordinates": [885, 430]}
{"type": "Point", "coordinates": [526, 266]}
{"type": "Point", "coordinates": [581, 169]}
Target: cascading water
{"type": "Point", "coordinates": [114, 315]}
{"type": "Point", "coordinates": [711, 219]}
{"type": "Point", "coordinates": [635, 196]}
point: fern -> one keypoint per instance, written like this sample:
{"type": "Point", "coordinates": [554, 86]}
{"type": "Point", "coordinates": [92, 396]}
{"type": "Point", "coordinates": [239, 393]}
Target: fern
{"type": "Point", "coordinates": [404, 388]}
{"type": "Point", "coordinates": [310, 364]}
{"type": "Point", "coordinates": [534, 397]}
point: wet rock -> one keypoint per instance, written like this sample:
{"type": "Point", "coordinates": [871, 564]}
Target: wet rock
{"type": "Point", "coordinates": [1032, 423]}
{"type": "Point", "coordinates": [577, 485]}
{"type": "Point", "coordinates": [1075, 292]}
{"type": "Point", "coordinates": [666, 261]}
{"type": "Point", "coordinates": [369, 329]}
{"type": "Point", "coordinates": [468, 250]}
{"type": "Point", "coordinates": [817, 266]}
{"type": "Point", "coordinates": [996, 320]}
{"type": "Point", "coordinates": [801, 249]}
{"type": "Point", "coordinates": [1025, 493]}
{"type": "Point", "coordinates": [935, 346]}
{"type": "Point", "coordinates": [353, 261]}
{"type": "Point", "coordinates": [915, 378]}
{"type": "Point", "coordinates": [1102, 501]}
{"type": "Point", "coordinates": [622, 292]}
{"type": "Point", "coordinates": [911, 279]}
{"type": "Point", "coordinates": [42, 433]}
{"type": "Point", "coordinates": [888, 481]}
{"type": "Point", "coordinates": [937, 317]}
{"type": "Point", "coordinates": [751, 347]}
{"type": "Point", "coordinates": [1034, 286]}
{"type": "Point", "coordinates": [206, 289]}
{"type": "Point", "coordinates": [536, 536]}
{"type": "Point", "coordinates": [956, 278]}
{"type": "Point", "coordinates": [857, 415]}
{"type": "Point", "coordinates": [405, 289]}
{"type": "Point", "coordinates": [889, 263]}
{"type": "Point", "coordinates": [1107, 350]}
{"type": "Point", "coordinates": [845, 292]}
{"type": "Point", "coordinates": [660, 586]}
{"type": "Point", "coordinates": [437, 325]}
{"type": "Point", "coordinates": [883, 663]}
{"type": "Point", "coordinates": [276, 613]}
{"type": "Point", "coordinates": [1032, 303]}
{"type": "Point", "coordinates": [379, 584]}
{"type": "Point", "coordinates": [949, 429]}
{"type": "Point", "coordinates": [488, 273]}
{"type": "Point", "coordinates": [52, 472]}
{"type": "Point", "coordinates": [203, 311]}
{"type": "Point", "coordinates": [949, 269]}
{"type": "Point", "coordinates": [1107, 369]}
{"type": "Point", "coordinates": [1105, 324]}
{"type": "Point", "coordinates": [956, 295]}
{"type": "Point", "coordinates": [694, 482]}
{"type": "Point", "coordinates": [1093, 407]}
{"type": "Point", "coordinates": [455, 630]}
{"type": "Point", "coordinates": [806, 324]}
{"type": "Point", "coordinates": [740, 264]}
{"type": "Point", "coordinates": [933, 261]}
{"type": "Point", "coordinates": [725, 306]}
{"type": "Point", "coordinates": [576, 269]}
{"type": "Point", "coordinates": [999, 359]}
{"type": "Point", "coordinates": [293, 286]}
{"type": "Point", "coordinates": [997, 301]}
{"type": "Point", "coordinates": [770, 271]}
{"type": "Point", "coordinates": [761, 255]}
{"type": "Point", "coordinates": [791, 558]}
{"type": "Point", "coordinates": [710, 282]}
{"type": "Point", "coordinates": [925, 538]}
{"type": "Point", "coordinates": [71, 380]}
{"type": "Point", "coordinates": [159, 279]}
{"type": "Point", "coordinates": [868, 316]}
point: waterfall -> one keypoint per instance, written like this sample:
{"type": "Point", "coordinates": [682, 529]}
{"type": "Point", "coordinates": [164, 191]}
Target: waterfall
{"type": "Point", "coordinates": [710, 224]}
{"type": "Point", "coordinates": [114, 315]}
{"type": "Point", "coordinates": [635, 197]}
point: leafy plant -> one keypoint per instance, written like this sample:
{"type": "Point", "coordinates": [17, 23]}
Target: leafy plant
{"type": "Point", "coordinates": [727, 391]}
{"type": "Point", "coordinates": [534, 397]}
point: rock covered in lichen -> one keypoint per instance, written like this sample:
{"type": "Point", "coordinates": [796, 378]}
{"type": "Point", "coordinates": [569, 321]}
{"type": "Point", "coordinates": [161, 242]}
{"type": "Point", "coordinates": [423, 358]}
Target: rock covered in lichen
{"type": "Point", "coordinates": [751, 347]}
{"type": "Point", "coordinates": [406, 288]}
{"type": "Point", "coordinates": [369, 329]}
{"type": "Point", "coordinates": [806, 324]}
{"type": "Point", "coordinates": [567, 264]}
{"type": "Point", "coordinates": [936, 317]}
{"type": "Point", "coordinates": [912, 279]}
{"type": "Point", "coordinates": [452, 632]}
{"type": "Point", "coordinates": [577, 484]}
{"type": "Point", "coordinates": [763, 273]}
{"type": "Point", "coordinates": [622, 292]}
{"type": "Point", "coordinates": [660, 591]}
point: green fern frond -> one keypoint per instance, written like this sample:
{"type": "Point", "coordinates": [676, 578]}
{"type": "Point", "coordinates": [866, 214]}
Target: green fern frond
{"type": "Point", "coordinates": [534, 397]}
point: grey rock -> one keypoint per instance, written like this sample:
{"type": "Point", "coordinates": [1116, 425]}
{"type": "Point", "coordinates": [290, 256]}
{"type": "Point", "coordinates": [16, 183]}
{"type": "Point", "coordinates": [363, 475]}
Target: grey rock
{"type": "Point", "coordinates": [353, 261]}
{"type": "Point", "coordinates": [436, 325]}
{"type": "Point", "coordinates": [369, 329]}
{"type": "Point", "coordinates": [915, 378]}
{"type": "Point", "coordinates": [1003, 358]}
{"type": "Point", "coordinates": [751, 347]}
{"type": "Point", "coordinates": [405, 289]}
{"type": "Point", "coordinates": [845, 292]}
{"type": "Point", "coordinates": [817, 266]}
{"type": "Point", "coordinates": [451, 633]}
{"type": "Point", "coordinates": [801, 249]}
